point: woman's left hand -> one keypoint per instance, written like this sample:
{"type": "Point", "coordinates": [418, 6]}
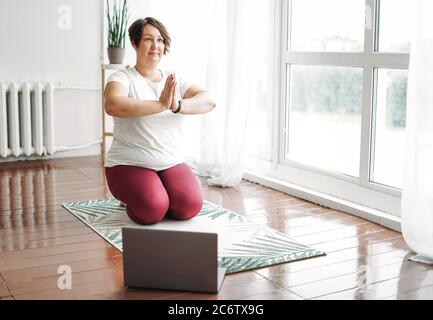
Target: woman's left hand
{"type": "Point", "coordinates": [174, 101]}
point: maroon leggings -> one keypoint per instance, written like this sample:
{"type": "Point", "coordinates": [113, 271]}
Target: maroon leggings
{"type": "Point", "coordinates": [150, 195]}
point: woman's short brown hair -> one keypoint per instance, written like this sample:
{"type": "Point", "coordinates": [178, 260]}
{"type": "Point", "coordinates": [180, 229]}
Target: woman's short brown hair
{"type": "Point", "coordinates": [136, 31]}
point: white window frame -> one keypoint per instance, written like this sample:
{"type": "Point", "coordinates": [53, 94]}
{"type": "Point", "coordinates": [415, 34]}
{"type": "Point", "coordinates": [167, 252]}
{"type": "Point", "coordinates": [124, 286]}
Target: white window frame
{"type": "Point", "coordinates": [358, 191]}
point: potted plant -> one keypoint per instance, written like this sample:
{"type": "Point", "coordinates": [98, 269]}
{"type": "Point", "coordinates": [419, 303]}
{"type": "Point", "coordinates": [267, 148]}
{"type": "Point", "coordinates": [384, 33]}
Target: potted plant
{"type": "Point", "coordinates": [117, 20]}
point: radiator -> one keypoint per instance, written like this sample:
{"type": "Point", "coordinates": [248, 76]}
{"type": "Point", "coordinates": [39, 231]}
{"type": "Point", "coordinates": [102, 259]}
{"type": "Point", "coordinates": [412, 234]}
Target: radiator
{"type": "Point", "coordinates": [26, 119]}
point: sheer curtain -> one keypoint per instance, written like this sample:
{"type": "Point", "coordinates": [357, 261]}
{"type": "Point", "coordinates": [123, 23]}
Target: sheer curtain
{"type": "Point", "coordinates": [417, 193]}
{"type": "Point", "coordinates": [217, 44]}
{"type": "Point", "coordinates": [229, 67]}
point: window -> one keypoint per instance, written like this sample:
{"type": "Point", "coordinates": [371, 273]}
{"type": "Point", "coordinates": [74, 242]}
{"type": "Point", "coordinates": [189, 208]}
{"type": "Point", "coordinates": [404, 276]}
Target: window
{"type": "Point", "coordinates": [395, 24]}
{"type": "Point", "coordinates": [324, 117]}
{"type": "Point", "coordinates": [342, 110]}
{"type": "Point", "coordinates": [316, 25]}
{"type": "Point", "coordinates": [389, 123]}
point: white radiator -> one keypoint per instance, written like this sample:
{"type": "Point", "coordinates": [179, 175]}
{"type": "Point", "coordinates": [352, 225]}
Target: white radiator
{"type": "Point", "coordinates": [26, 119]}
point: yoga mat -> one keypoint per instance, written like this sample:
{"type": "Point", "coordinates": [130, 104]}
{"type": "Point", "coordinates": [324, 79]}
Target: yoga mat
{"type": "Point", "coordinates": [242, 244]}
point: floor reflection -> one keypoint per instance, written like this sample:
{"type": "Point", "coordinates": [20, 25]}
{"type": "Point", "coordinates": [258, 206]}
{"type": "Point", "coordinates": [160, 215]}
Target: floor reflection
{"type": "Point", "coordinates": [406, 286]}
{"type": "Point", "coordinates": [24, 193]}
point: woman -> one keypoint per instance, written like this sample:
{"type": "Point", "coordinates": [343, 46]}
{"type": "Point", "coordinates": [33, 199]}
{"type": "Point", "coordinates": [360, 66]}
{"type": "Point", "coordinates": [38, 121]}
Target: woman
{"type": "Point", "coordinates": [145, 167]}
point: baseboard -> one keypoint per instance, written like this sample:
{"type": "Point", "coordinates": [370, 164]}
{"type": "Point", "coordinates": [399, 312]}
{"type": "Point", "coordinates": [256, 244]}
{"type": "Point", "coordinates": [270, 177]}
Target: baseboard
{"type": "Point", "coordinates": [85, 152]}
{"type": "Point", "coordinates": [385, 219]}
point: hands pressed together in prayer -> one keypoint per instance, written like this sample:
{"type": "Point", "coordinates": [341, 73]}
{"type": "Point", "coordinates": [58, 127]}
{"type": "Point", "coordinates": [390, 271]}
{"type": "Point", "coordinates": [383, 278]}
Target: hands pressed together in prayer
{"type": "Point", "coordinates": [168, 95]}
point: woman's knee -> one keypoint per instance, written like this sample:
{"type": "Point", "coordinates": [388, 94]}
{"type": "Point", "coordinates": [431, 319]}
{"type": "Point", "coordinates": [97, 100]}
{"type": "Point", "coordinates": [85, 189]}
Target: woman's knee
{"type": "Point", "coordinates": [185, 207]}
{"type": "Point", "coordinates": [148, 211]}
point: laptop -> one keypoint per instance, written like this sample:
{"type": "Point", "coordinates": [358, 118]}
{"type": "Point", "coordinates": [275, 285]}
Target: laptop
{"type": "Point", "coordinates": [181, 260]}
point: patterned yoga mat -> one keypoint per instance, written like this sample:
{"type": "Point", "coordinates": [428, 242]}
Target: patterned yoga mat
{"type": "Point", "coordinates": [242, 244]}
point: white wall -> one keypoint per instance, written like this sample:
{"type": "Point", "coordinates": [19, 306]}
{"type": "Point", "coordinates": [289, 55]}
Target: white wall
{"type": "Point", "coordinates": [34, 48]}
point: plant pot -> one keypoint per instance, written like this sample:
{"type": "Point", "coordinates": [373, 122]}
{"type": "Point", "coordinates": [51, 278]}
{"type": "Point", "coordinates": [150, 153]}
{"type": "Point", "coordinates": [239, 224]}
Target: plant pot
{"type": "Point", "coordinates": [116, 55]}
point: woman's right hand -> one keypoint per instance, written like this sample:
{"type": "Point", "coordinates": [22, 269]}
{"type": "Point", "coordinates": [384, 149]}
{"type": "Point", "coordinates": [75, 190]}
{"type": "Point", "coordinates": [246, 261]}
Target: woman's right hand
{"type": "Point", "coordinates": [167, 93]}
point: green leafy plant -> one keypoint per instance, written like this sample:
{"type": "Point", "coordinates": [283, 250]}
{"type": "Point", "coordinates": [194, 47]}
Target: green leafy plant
{"type": "Point", "coordinates": [117, 20]}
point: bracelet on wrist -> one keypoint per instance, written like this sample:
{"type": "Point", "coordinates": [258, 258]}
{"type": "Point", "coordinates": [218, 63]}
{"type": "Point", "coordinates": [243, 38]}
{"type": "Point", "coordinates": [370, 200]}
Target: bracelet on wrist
{"type": "Point", "coordinates": [179, 106]}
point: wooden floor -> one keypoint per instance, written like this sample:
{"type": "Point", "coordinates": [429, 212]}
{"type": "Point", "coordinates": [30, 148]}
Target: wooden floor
{"type": "Point", "coordinates": [37, 236]}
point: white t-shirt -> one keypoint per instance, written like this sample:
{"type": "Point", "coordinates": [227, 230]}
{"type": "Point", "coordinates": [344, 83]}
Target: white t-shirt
{"type": "Point", "coordinates": [152, 141]}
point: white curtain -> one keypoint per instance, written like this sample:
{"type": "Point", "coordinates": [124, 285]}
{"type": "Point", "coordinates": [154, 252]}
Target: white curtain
{"type": "Point", "coordinates": [223, 133]}
{"type": "Point", "coordinates": [417, 194]}
{"type": "Point", "coordinates": [216, 43]}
